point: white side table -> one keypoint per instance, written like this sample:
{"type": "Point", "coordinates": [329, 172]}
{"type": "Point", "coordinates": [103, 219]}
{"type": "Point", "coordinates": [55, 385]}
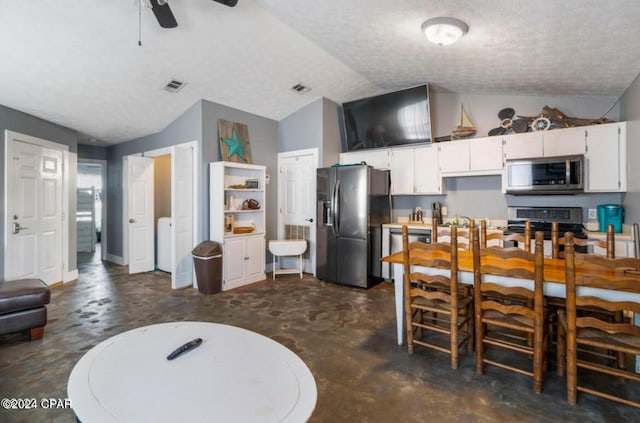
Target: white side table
{"type": "Point", "coordinates": [288, 247]}
{"type": "Point", "coordinates": [235, 376]}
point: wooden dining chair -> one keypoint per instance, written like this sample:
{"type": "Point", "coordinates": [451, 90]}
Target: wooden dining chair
{"type": "Point", "coordinates": [523, 241]}
{"type": "Point", "coordinates": [510, 317]}
{"type": "Point", "coordinates": [578, 332]}
{"type": "Point", "coordinates": [606, 246]}
{"type": "Point", "coordinates": [464, 235]}
{"type": "Point", "coordinates": [598, 247]}
{"type": "Point", "coordinates": [430, 310]}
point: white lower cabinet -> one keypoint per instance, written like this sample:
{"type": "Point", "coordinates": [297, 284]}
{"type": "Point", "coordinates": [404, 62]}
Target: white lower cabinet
{"type": "Point", "coordinates": [243, 261]}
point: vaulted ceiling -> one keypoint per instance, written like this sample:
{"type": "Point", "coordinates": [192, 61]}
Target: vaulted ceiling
{"type": "Point", "coordinates": [78, 63]}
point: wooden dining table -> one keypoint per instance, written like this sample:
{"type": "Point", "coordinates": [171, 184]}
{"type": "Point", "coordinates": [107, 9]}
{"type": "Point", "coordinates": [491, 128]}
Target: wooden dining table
{"type": "Point", "coordinates": [554, 282]}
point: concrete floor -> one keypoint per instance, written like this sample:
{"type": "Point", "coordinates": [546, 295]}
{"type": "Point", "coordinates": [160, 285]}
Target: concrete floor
{"type": "Point", "coordinates": [345, 335]}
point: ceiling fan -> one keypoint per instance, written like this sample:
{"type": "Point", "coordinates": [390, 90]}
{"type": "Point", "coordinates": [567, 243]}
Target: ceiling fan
{"type": "Point", "coordinates": [163, 13]}
{"type": "Point", "coordinates": [165, 17]}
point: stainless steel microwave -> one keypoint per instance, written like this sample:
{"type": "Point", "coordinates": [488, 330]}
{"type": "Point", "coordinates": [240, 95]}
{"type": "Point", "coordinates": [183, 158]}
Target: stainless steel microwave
{"type": "Point", "coordinates": [549, 175]}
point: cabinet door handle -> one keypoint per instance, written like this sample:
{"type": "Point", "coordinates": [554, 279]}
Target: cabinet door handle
{"type": "Point", "coordinates": [246, 258]}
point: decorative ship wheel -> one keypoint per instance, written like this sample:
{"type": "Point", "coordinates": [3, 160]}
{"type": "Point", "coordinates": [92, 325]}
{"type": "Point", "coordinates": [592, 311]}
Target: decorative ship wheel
{"type": "Point", "coordinates": [541, 123]}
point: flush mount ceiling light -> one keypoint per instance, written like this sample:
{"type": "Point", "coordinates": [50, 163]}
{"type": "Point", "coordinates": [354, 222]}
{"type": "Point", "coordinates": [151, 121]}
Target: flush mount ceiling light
{"type": "Point", "coordinates": [444, 31]}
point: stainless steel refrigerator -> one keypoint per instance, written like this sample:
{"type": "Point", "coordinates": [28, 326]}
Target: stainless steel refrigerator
{"type": "Point", "coordinates": [353, 202]}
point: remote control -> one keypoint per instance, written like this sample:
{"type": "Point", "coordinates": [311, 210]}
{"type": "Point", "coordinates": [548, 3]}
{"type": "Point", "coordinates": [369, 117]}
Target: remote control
{"type": "Point", "coordinates": [184, 348]}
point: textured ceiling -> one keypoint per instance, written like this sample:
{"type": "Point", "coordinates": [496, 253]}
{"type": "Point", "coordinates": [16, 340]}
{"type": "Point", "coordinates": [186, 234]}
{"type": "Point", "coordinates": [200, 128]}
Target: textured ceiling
{"type": "Point", "coordinates": [77, 63]}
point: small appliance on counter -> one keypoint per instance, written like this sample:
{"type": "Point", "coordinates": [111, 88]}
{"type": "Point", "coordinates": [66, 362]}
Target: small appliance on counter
{"type": "Point", "coordinates": [610, 214]}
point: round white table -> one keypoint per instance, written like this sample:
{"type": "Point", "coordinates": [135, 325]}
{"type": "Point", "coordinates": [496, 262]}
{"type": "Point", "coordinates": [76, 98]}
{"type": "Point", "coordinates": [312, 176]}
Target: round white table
{"type": "Point", "coordinates": [235, 376]}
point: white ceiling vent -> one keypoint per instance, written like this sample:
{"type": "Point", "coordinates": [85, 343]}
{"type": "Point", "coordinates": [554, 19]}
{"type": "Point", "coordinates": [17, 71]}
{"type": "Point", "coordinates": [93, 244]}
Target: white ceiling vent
{"type": "Point", "coordinates": [301, 89]}
{"type": "Point", "coordinates": [174, 86]}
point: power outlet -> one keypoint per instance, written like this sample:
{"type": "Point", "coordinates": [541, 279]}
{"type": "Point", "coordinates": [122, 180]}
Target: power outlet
{"type": "Point", "coordinates": [593, 214]}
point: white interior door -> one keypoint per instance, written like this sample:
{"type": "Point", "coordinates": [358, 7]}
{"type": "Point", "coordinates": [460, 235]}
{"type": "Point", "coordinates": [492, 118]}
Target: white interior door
{"type": "Point", "coordinates": [140, 211]}
{"type": "Point", "coordinates": [297, 197]}
{"type": "Point", "coordinates": [182, 200]}
{"type": "Point", "coordinates": [34, 212]}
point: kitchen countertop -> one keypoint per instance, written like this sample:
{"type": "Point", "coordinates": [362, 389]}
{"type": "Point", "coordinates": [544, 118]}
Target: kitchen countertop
{"type": "Point", "coordinates": [500, 225]}
{"type": "Point", "coordinates": [494, 225]}
{"type": "Point", "coordinates": [625, 235]}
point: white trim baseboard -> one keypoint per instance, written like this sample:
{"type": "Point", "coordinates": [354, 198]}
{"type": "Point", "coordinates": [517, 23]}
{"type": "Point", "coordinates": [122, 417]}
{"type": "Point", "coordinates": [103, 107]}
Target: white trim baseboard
{"type": "Point", "coordinates": [70, 276]}
{"type": "Point", "coordinates": [115, 259]}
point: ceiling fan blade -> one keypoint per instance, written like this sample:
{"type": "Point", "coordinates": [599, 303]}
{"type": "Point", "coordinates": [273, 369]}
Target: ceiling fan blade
{"type": "Point", "coordinates": [163, 14]}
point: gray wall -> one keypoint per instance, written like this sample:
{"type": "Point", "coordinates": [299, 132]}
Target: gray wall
{"type": "Point", "coordinates": [263, 135]}
{"type": "Point", "coordinates": [302, 129]}
{"type": "Point", "coordinates": [331, 132]}
{"type": "Point", "coordinates": [186, 128]}
{"type": "Point", "coordinates": [92, 152]}
{"type": "Point", "coordinates": [199, 123]}
{"type": "Point", "coordinates": [23, 123]}
{"type": "Point", "coordinates": [317, 125]}
{"type": "Point", "coordinates": [630, 111]}
{"type": "Point", "coordinates": [481, 197]}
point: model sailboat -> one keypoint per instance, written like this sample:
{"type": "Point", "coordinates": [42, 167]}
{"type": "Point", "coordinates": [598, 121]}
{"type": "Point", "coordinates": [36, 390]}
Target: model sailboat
{"type": "Point", "coordinates": [466, 128]}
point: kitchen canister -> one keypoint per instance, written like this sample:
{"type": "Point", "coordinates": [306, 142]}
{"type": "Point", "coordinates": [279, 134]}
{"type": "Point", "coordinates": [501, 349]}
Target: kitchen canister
{"type": "Point", "coordinates": [610, 214]}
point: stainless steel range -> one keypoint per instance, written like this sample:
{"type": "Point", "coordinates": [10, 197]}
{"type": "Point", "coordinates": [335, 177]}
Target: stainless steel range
{"type": "Point", "coordinates": [569, 220]}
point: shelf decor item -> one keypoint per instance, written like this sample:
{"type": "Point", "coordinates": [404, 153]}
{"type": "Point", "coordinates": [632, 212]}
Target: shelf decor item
{"type": "Point", "coordinates": [234, 141]}
{"type": "Point", "coordinates": [465, 128]}
{"type": "Point", "coordinates": [244, 229]}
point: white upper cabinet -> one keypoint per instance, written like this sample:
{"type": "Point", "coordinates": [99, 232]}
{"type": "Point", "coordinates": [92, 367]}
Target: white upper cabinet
{"type": "Point", "coordinates": [479, 156]}
{"type": "Point", "coordinates": [414, 171]}
{"type": "Point", "coordinates": [401, 165]}
{"type": "Point", "coordinates": [378, 159]}
{"type": "Point", "coordinates": [485, 155]}
{"type": "Point", "coordinates": [556, 142]}
{"type": "Point", "coordinates": [426, 172]}
{"type": "Point", "coordinates": [606, 158]}
{"type": "Point", "coordinates": [523, 146]}
{"type": "Point", "coordinates": [564, 142]}
{"type": "Point", "coordinates": [454, 156]}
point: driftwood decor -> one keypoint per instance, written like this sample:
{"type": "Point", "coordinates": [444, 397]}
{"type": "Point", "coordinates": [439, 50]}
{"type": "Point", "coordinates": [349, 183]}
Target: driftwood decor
{"type": "Point", "coordinates": [234, 142]}
{"type": "Point", "coordinates": [560, 120]}
{"type": "Point", "coordinates": [549, 118]}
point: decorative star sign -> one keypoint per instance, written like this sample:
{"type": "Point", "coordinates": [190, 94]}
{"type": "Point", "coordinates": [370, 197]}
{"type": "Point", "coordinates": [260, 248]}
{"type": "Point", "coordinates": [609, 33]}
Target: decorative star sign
{"type": "Point", "coordinates": [236, 146]}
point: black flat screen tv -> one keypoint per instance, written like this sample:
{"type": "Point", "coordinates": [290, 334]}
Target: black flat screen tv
{"type": "Point", "coordinates": [392, 119]}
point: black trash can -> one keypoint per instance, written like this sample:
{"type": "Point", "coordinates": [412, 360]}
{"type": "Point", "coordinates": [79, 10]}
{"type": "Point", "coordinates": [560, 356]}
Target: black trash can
{"type": "Point", "coordinates": [207, 259]}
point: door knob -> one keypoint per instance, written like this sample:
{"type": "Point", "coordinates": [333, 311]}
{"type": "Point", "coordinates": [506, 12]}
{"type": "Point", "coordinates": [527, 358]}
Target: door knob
{"type": "Point", "coordinates": [132, 220]}
{"type": "Point", "coordinates": [309, 220]}
{"type": "Point", "coordinates": [17, 228]}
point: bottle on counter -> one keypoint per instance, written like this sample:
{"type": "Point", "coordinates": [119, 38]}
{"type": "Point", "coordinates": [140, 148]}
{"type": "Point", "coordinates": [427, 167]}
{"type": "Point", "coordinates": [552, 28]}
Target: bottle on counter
{"type": "Point", "coordinates": [418, 214]}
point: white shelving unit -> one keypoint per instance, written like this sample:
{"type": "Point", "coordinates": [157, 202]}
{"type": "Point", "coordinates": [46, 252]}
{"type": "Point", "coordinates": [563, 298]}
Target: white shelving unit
{"type": "Point", "coordinates": [243, 254]}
